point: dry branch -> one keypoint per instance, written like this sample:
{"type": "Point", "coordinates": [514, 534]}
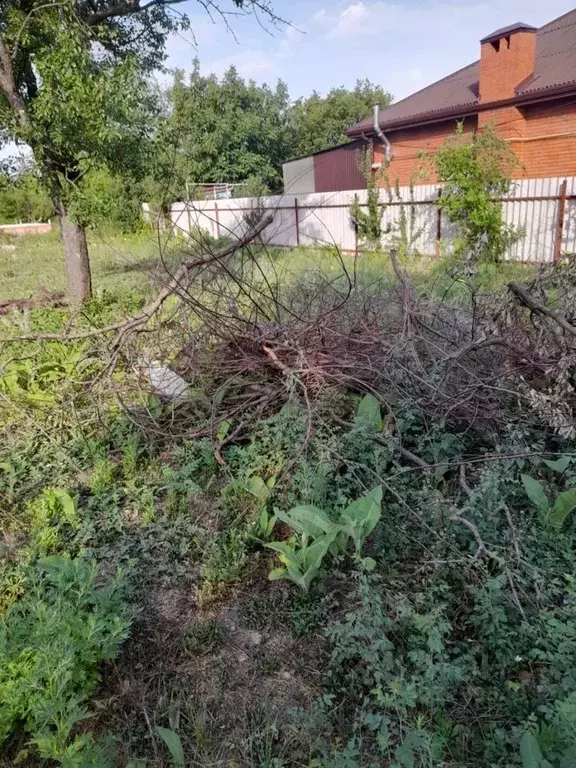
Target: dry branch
{"type": "Point", "coordinates": [529, 301]}
{"type": "Point", "coordinates": [176, 286]}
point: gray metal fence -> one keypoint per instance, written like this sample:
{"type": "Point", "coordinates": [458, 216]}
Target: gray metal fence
{"type": "Point", "coordinates": [543, 210]}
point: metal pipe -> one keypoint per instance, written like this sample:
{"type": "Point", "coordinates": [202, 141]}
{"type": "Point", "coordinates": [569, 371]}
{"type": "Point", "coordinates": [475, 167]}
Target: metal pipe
{"type": "Point", "coordinates": [380, 133]}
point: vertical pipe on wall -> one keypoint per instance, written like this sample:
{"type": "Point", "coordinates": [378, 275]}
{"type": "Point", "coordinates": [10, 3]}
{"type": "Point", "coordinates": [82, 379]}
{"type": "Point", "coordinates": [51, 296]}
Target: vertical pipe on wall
{"type": "Point", "coordinates": [356, 230]}
{"type": "Point", "coordinates": [217, 221]}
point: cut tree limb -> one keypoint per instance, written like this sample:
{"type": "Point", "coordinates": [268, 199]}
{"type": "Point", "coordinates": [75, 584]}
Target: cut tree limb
{"type": "Point", "coordinates": [123, 327]}
{"type": "Point", "coordinates": [529, 301]}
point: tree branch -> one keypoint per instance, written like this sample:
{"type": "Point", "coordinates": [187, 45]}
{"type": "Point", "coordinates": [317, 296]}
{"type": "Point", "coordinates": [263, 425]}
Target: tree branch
{"type": "Point", "coordinates": [126, 325]}
{"type": "Point", "coordinates": [125, 9]}
{"type": "Point", "coordinates": [9, 87]}
{"type": "Point", "coordinates": [529, 301]}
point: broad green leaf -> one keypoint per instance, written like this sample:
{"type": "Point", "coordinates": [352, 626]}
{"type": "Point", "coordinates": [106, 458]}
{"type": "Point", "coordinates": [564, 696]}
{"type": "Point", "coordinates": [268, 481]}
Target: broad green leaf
{"type": "Point", "coordinates": [277, 573]}
{"type": "Point", "coordinates": [368, 414]}
{"type": "Point", "coordinates": [530, 751]}
{"type": "Point", "coordinates": [307, 519]}
{"type": "Point", "coordinates": [560, 465]}
{"type": "Point", "coordinates": [368, 563]}
{"type": "Point", "coordinates": [256, 486]}
{"type": "Point", "coordinates": [565, 504]}
{"type": "Point", "coordinates": [535, 492]}
{"type": "Point", "coordinates": [365, 511]}
{"type": "Point", "coordinates": [68, 505]}
{"type": "Point", "coordinates": [223, 429]}
{"type": "Point", "coordinates": [172, 741]}
{"type": "Point", "coordinates": [289, 555]}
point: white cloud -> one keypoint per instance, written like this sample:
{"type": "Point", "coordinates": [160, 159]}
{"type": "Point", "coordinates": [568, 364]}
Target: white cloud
{"type": "Point", "coordinates": [377, 17]}
{"type": "Point", "coordinates": [416, 74]}
{"type": "Point", "coordinates": [352, 21]}
{"type": "Point", "coordinates": [320, 17]}
{"type": "Point", "coordinates": [251, 64]}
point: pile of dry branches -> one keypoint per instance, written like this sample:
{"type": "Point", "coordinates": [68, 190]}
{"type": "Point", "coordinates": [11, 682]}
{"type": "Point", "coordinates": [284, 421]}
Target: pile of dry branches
{"type": "Point", "coordinates": [246, 341]}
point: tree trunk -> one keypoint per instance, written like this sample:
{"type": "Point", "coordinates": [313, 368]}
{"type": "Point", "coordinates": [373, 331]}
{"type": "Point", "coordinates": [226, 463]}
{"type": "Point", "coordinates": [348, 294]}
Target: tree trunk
{"type": "Point", "coordinates": [77, 259]}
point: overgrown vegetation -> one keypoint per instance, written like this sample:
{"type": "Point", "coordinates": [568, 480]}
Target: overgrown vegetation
{"type": "Point", "coordinates": [351, 543]}
{"type": "Point", "coordinates": [475, 171]}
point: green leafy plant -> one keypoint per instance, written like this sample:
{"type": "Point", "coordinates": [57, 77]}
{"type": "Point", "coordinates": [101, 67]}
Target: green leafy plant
{"type": "Point", "coordinates": [551, 514]}
{"type": "Point", "coordinates": [475, 169]}
{"type": "Point", "coordinates": [173, 744]}
{"type": "Point", "coordinates": [51, 642]}
{"type": "Point", "coordinates": [318, 534]}
{"type": "Point", "coordinates": [51, 513]}
{"type": "Point", "coordinates": [368, 414]}
{"type": "Point", "coordinates": [368, 223]}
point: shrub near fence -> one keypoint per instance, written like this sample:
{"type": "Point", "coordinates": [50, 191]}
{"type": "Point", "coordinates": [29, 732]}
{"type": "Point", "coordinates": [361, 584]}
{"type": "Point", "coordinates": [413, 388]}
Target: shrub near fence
{"type": "Point", "coordinates": [545, 210]}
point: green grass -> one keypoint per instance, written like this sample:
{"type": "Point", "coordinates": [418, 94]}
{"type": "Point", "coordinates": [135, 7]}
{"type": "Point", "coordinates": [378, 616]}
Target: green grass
{"type": "Point", "coordinates": [119, 263]}
{"type": "Point", "coordinates": [123, 263]}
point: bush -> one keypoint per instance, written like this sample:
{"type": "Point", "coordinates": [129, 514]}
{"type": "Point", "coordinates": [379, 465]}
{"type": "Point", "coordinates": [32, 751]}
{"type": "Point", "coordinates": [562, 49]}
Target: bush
{"type": "Point", "coordinates": [475, 170]}
{"type": "Point", "coordinates": [51, 642]}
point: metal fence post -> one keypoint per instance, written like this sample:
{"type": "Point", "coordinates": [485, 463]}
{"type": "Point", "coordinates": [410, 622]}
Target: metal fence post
{"type": "Point", "coordinates": [560, 220]}
{"type": "Point", "coordinates": [438, 224]}
{"type": "Point", "coordinates": [356, 229]}
{"type": "Point", "coordinates": [217, 220]}
{"type": "Point", "coordinates": [297, 222]}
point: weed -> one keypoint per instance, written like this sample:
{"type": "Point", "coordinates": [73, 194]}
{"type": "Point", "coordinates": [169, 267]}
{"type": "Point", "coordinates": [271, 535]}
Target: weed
{"type": "Point", "coordinates": [51, 643]}
{"type": "Point", "coordinates": [209, 636]}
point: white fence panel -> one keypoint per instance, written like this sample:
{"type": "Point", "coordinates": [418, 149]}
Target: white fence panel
{"type": "Point", "coordinates": [323, 219]}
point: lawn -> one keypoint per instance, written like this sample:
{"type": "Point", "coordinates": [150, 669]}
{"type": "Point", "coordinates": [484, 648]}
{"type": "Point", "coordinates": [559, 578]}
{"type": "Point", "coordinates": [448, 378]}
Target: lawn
{"type": "Point", "coordinates": [131, 262]}
{"type": "Point", "coordinates": [119, 262]}
{"type": "Point", "coordinates": [348, 546]}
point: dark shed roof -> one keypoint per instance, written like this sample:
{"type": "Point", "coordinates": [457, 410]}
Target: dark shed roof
{"type": "Point", "coordinates": [457, 94]}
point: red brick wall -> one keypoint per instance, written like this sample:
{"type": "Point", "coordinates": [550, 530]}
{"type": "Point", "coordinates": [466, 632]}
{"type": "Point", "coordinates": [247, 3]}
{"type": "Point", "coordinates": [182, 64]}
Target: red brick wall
{"type": "Point", "coordinates": [542, 137]}
{"type": "Point", "coordinates": [407, 165]}
{"type": "Point", "coordinates": [548, 147]}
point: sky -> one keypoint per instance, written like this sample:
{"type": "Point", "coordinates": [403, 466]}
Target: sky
{"type": "Point", "coordinates": [402, 45]}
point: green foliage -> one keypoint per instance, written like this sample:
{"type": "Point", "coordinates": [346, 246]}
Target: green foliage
{"type": "Point", "coordinates": [51, 642]}
{"type": "Point", "coordinates": [206, 637]}
{"type": "Point", "coordinates": [24, 198]}
{"type": "Point", "coordinates": [320, 122]}
{"type": "Point", "coordinates": [367, 221]}
{"type": "Point", "coordinates": [174, 745]}
{"type": "Point", "coordinates": [368, 414]}
{"type": "Point", "coordinates": [556, 514]}
{"type": "Point", "coordinates": [475, 169]}
{"type": "Point", "coordinates": [302, 560]}
{"type": "Point", "coordinates": [230, 129]}
{"type": "Point", "coordinates": [108, 201]}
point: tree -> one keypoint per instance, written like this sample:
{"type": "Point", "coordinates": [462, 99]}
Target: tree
{"type": "Point", "coordinates": [476, 169]}
{"type": "Point", "coordinates": [23, 198]}
{"type": "Point", "coordinates": [322, 121]}
{"type": "Point", "coordinates": [229, 129]}
{"type": "Point", "coordinates": [71, 76]}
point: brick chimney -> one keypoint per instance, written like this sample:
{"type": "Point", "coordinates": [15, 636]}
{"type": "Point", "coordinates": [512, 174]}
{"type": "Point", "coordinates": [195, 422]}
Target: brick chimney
{"type": "Point", "coordinates": [507, 59]}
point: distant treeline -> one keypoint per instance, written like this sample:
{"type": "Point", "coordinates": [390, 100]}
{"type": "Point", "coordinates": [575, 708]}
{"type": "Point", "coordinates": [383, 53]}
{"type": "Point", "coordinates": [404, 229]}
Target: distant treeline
{"type": "Point", "coordinates": [199, 129]}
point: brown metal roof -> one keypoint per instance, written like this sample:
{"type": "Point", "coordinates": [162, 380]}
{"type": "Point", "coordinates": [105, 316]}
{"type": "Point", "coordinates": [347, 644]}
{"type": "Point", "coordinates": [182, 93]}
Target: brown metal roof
{"type": "Point", "coordinates": [457, 94]}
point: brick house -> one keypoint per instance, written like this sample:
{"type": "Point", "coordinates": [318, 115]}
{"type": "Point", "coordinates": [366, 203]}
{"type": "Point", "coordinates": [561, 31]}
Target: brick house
{"type": "Point", "coordinates": [524, 84]}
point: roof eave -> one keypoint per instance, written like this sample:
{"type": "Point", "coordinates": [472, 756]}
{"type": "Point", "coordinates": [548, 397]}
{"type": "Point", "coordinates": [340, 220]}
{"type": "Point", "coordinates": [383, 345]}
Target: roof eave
{"type": "Point", "coordinates": [466, 110]}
